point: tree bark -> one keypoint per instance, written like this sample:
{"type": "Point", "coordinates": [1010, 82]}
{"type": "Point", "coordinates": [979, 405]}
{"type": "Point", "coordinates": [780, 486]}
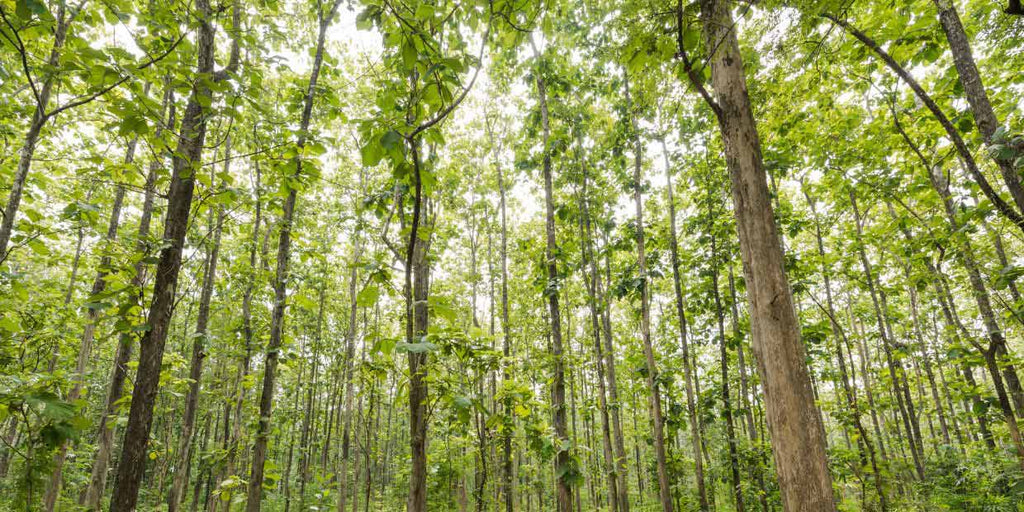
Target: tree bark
{"type": "Point", "coordinates": [677, 285]}
{"type": "Point", "coordinates": [1005, 209]}
{"type": "Point", "coordinates": [88, 334]}
{"type": "Point", "coordinates": [563, 490]}
{"type": "Point", "coordinates": [187, 158]}
{"type": "Point", "coordinates": [39, 119]}
{"type": "Point", "coordinates": [797, 436]}
{"type": "Point", "coordinates": [93, 493]}
{"type": "Point", "coordinates": [658, 422]}
{"type": "Point", "coordinates": [590, 266]}
{"type": "Point", "coordinates": [981, 107]}
{"type": "Point", "coordinates": [259, 451]}
{"type": "Point", "coordinates": [184, 452]}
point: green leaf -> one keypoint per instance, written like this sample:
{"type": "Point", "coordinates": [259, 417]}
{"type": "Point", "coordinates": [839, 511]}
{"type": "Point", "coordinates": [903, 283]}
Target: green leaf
{"type": "Point", "coordinates": [416, 348]}
{"type": "Point", "coordinates": [409, 54]}
{"type": "Point", "coordinates": [390, 140]}
{"type": "Point", "coordinates": [368, 296]}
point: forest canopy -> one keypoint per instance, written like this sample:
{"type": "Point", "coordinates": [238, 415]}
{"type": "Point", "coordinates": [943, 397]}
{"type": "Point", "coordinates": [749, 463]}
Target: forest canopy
{"type": "Point", "coordinates": [511, 255]}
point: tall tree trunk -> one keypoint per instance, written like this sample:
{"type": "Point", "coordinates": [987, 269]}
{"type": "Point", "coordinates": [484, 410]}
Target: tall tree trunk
{"type": "Point", "coordinates": [658, 422]}
{"type": "Point", "coordinates": [590, 265]}
{"type": "Point", "coordinates": [508, 480]}
{"type": "Point", "coordinates": [39, 119]}
{"type": "Point", "coordinates": [349, 361]}
{"type": "Point", "coordinates": [187, 158]}
{"type": "Point", "coordinates": [308, 417]}
{"type": "Point", "coordinates": [895, 367]}
{"type": "Point", "coordinates": [199, 338]}
{"type": "Point", "coordinates": [970, 78]}
{"type": "Point", "coordinates": [1005, 209]}
{"type": "Point", "coordinates": [93, 493]}
{"type": "Point", "coordinates": [259, 451]}
{"type": "Point", "coordinates": [613, 388]}
{"type": "Point", "coordinates": [798, 439]}
{"type": "Point", "coordinates": [563, 490]}
{"type": "Point", "coordinates": [89, 333]}
{"type": "Point", "coordinates": [677, 285]}
{"type": "Point", "coordinates": [730, 427]}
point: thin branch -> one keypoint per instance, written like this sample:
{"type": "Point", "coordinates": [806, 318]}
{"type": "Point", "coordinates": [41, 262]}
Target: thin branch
{"type": "Point", "coordinates": [444, 113]}
{"type": "Point", "coordinates": [101, 92]}
{"type": "Point", "coordinates": [19, 45]}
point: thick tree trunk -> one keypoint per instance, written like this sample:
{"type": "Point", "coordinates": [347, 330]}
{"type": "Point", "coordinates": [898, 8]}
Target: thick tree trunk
{"type": "Point", "coordinates": [797, 436]}
{"type": "Point", "coordinates": [93, 493]}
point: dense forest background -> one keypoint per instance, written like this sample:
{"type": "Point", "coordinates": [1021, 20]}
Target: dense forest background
{"type": "Point", "coordinates": [497, 255]}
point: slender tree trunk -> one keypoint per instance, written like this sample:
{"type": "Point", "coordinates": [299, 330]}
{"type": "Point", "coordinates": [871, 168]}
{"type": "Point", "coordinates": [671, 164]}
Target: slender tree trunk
{"type": "Point", "coordinates": [613, 388]}
{"type": "Point", "coordinates": [508, 482]}
{"type": "Point", "coordinates": [591, 281]}
{"type": "Point", "coordinates": [259, 451]}
{"type": "Point", "coordinates": [677, 285]}
{"type": "Point", "coordinates": [658, 422]}
{"type": "Point", "coordinates": [88, 334]}
{"type": "Point", "coordinates": [974, 89]}
{"type": "Point", "coordinates": [896, 369]}
{"type": "Point", "coordinates": [563, 491]}
{"type": "Point", "coordinates": [241, 389]}
{"type": "Point", "coordinates": [39, 119]}
{"type": "Point", "coordinates": [199, 338]}
{"type": "Point", "coordinates": [348, 361]}
{"type": "Point", "coordinates": [730, 427]}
